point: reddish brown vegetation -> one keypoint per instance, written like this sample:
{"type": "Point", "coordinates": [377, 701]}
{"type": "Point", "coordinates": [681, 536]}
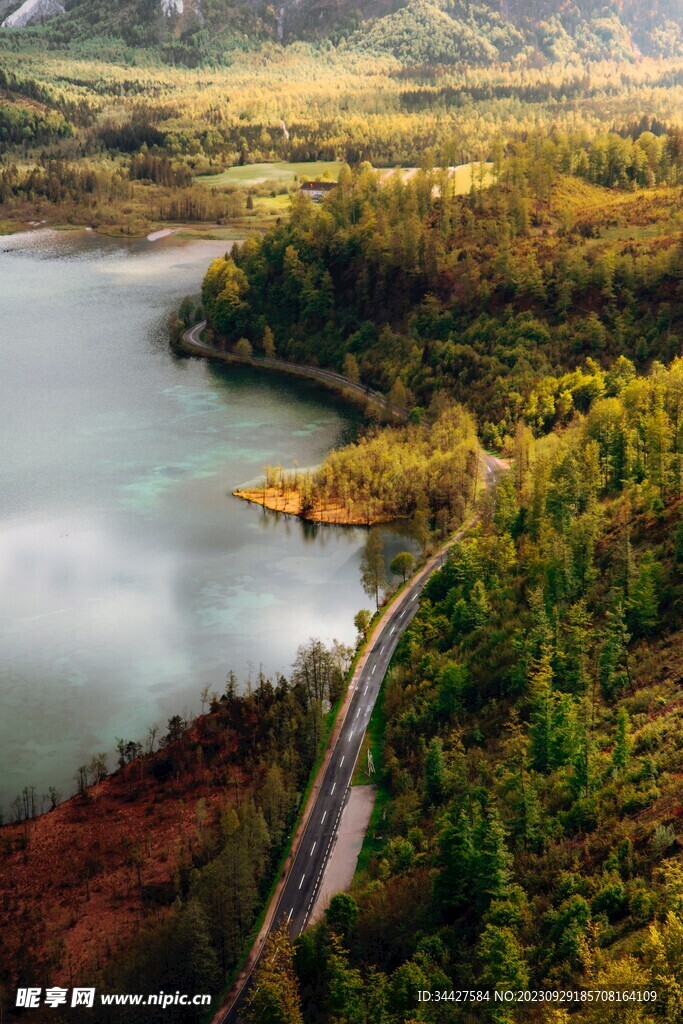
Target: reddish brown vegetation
{"type": "Point", "coordinates": [75, 883]}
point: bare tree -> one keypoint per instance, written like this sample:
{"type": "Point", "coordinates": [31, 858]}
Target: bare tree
{"type": "Point", "coordinates": [98, 769]}
{"type": "Point", "coordinates": [204, 695]}
{"type": "Point", "coordinates": [152, 733]}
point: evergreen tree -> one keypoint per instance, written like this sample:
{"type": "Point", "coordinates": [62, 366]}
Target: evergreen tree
{"type": "Point", "coordinates": [453, 885]}
{"type": "Point", "coordinates": [434, 773]}
{"type": "Point", "coordinates": [622, 743]}
{"type": "Point", "coordinates": [492, 868]}
{"type": "Point", "coordinates": [344, 986]}
{"type": "Point", "coordinates": [503, 966]}
{"type": "Point", "coordinates": [577, 638]}
{"type": "Point", "coordinates": [580, 778]}
{"type": "Point", "coordinates": [202, 963]}
{"type": "Point", "coordinates": [612, 661]}
{"type": "Point", "coordinates": [542, 699]}
{"type": "Point", "coordinates": [643, 603]}
{"type": "Point", "coordinates": [480, 606]}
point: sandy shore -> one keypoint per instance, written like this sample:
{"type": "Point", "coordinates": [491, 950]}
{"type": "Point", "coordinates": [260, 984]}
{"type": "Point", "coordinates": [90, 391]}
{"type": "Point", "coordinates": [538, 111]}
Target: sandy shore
{"type": "Point", "coordinates": [290, 503]}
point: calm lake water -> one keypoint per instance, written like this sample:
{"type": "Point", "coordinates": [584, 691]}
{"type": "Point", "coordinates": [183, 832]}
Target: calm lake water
{"type": "Point", "coordinates": [129, 575]}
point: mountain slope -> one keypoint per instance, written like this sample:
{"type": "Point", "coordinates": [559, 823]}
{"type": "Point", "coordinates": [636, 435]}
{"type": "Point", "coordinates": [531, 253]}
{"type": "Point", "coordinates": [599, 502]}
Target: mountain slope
{"type": "Point", "coordinates": [444, 31]}
{"type": "Point", "coordinates": [416, 31]}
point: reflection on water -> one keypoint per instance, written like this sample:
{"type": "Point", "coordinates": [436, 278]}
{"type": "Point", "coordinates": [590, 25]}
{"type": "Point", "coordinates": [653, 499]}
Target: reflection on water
{"type": "Point", "coordinates": [129, 575]}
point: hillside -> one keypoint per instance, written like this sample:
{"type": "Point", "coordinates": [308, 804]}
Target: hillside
{"type": "Point", "coordinates": [529, 750]}
{"type": "Point", "coordinates": [414, 31]}
{"type": "Point", "coordinates": [486, 299]}
{"type": "Point", "coordinates": [175, 850]}
{"type": "Point", "coordinates": [528, 828]}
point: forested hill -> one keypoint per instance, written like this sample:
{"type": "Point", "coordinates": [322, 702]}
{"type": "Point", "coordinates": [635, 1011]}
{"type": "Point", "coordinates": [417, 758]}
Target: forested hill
{"type": "Point", "coordinates": [417, 32]}
{"type": "Point", "coordinates": [528, 831]}
{"type": "Point", "coordinates": [480, 297]}
{"type": "Point", "coordinates": [447, 31]}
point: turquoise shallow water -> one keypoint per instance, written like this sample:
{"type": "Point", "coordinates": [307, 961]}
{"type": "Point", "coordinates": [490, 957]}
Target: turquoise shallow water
{"type": "Point", "coordinates": [129, 575]}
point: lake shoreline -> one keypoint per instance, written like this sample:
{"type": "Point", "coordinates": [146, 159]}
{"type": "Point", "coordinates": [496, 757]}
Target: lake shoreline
{"type": "Point", "coordinates": [130, 572]}
{"type": "Point", "coordinates": [190, 343]}
{"type": "Point", "coordinates": [289, 502]}
{"type": "Point", "coordinates": [195, 232]}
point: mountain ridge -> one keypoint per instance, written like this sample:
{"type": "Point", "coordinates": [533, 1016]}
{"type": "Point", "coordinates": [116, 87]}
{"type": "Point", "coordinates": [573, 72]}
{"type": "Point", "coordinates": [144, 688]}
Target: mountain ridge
{"type": "Point", "coordinates": [416, 32]}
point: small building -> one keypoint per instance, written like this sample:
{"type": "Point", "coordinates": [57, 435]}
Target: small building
{"type": "Point", "coordinates": [315, 190]}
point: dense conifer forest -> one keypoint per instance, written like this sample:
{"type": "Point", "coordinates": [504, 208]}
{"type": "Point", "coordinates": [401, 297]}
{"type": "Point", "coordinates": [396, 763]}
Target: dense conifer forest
{"type": "Point", "coordinates": [529, 831]}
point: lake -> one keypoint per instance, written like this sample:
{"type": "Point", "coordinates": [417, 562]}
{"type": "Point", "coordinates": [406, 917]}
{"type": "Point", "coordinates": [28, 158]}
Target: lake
{"type": "Point", "coordinates": [129, 575]}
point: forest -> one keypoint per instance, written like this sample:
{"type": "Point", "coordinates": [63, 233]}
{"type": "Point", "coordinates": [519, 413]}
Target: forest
{"type": "Point", "coordinates": [108, 106]}
{"type": "Point", "coordinates": [163, 866]}
{"type": "Point", "coordinates": [429, 470]}
{"type": "Point", "coordinates": [528, 738]}
{"type": "Point", "coordinates": [510, 300]}
{"type": "Point", "coordinates": [439, 32]}
{"type": "Point", "coordinates": [529, 826]}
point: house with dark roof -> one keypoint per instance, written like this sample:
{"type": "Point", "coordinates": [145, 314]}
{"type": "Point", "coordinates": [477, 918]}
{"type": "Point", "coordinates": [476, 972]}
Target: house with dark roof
{"type": "Point", "coordinates": [315, 190]}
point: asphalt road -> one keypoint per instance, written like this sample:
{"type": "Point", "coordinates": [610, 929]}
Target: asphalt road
{"type": "Point", "coordinates": [305, 875]}
{"type": "Point", "coordinates": [298, 896]}
{"type": "Point", "coordinates": [306, 872]}
{"type": "Point", "coordinates": [192, 337]}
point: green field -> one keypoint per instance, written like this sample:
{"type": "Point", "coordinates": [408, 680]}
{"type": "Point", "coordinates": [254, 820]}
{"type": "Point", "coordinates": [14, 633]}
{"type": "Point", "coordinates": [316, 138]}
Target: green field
{"type": "Point", "coordinates": [215, 234]}
{"type": "Point", "coordinates": [279, 173]}
{"type": "Point", "coordinates": [283, 172]}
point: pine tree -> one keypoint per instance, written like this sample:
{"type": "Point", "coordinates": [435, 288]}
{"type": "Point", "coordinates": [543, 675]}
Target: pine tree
{"type": "Point", "coordinates": [492, 863]}
{"type": "Point", "coordinates": [643, 604]}
{"type": "Point", "coordinates": [622, 743]}
{"type": "Point", "coordinates": [612, 662]}
{"type": "Point", "coordinates": [503, 965]}
{"type": "Point", "coordinates": [521, 792]}
{"type": "Point", "coordinates": [434, 773]}
{"type": "Point", "coordinates": [453, 885]}
{"type": "Point", "coordinates": [580, 780]}
{"type": "Point", "coordinates": [479, 605]}
{"type": "Point", "coordinates": [507, 505]}
{"type": "Point", "coordinates": [202, 963]}
{"type": "Point", "coordinates": [344, 986]}
{"type": "Point", "coordinates": [577, 638]}
{"type": "Point", "coordinates": [541, 697]}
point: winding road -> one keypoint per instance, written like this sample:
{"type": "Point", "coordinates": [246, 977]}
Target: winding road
{"type": "Point", "coordinates": [295, 898]}
{"type": "Point", "coordinates": [193, 340]}
{"type": "Point", "coordinates": [316, 835]}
